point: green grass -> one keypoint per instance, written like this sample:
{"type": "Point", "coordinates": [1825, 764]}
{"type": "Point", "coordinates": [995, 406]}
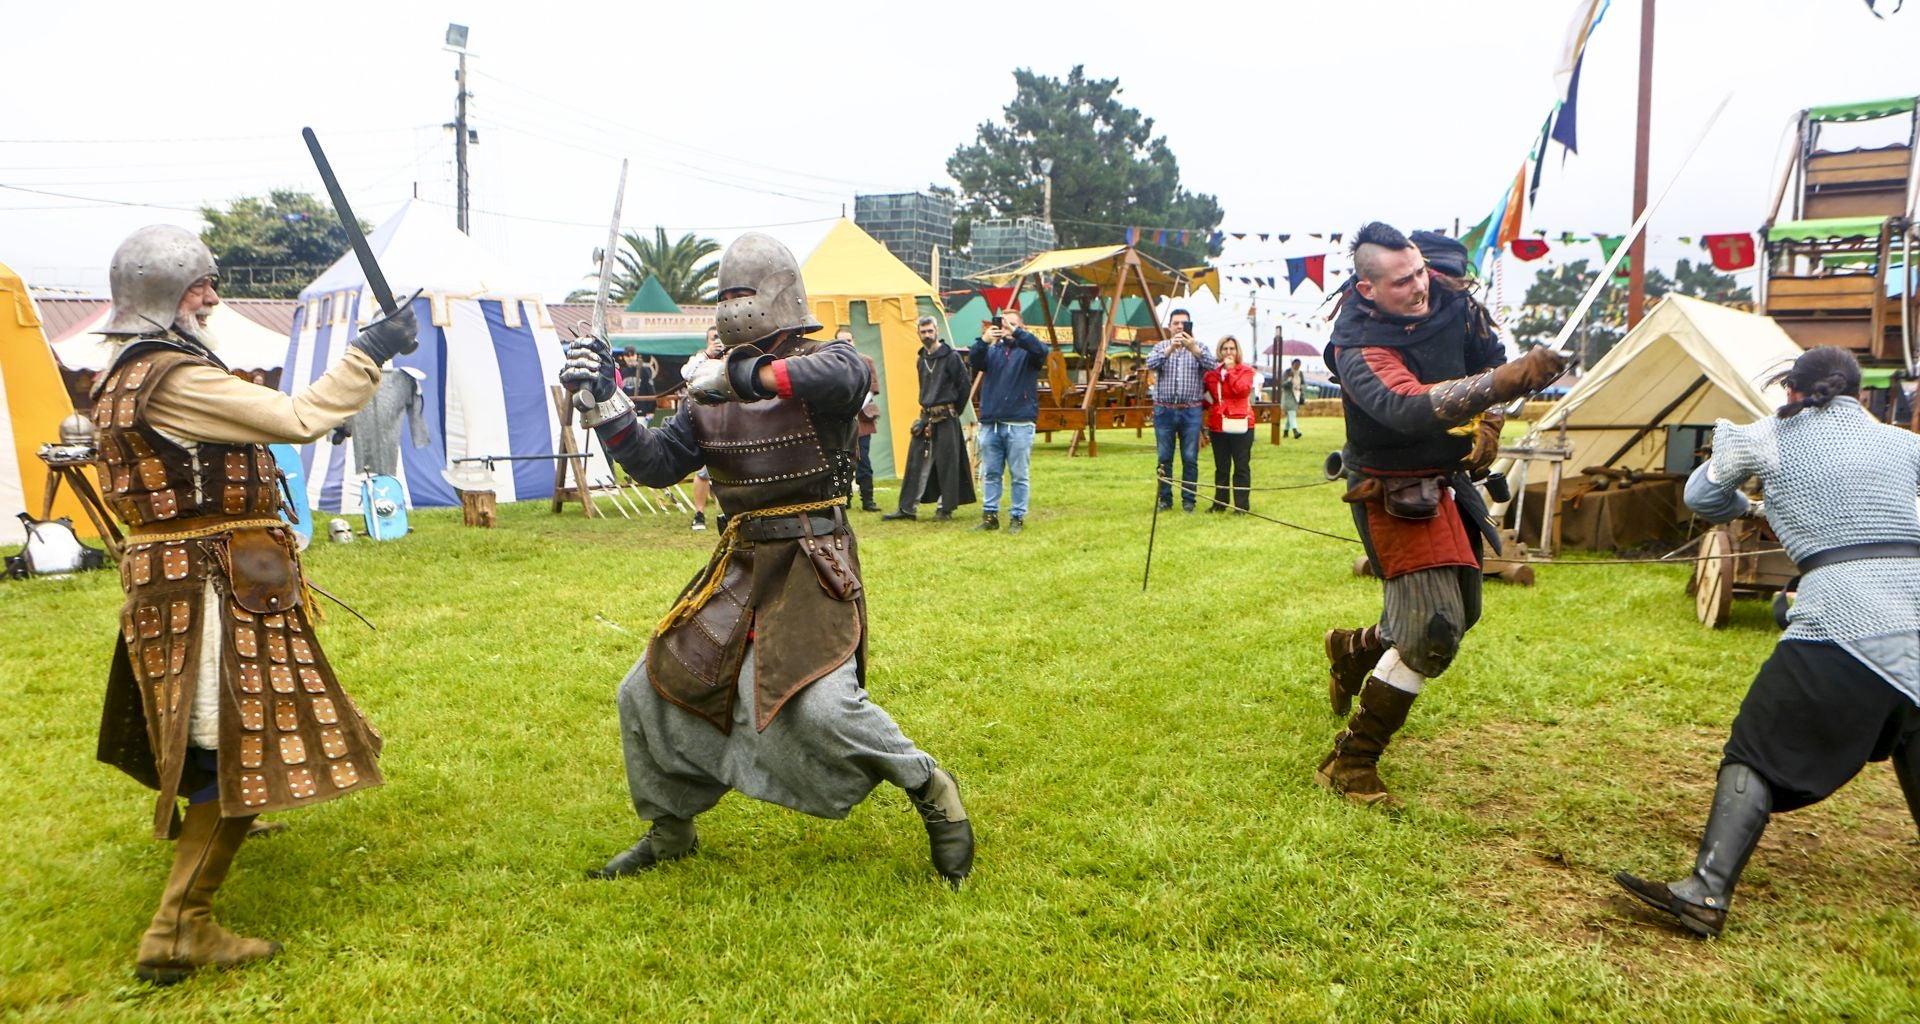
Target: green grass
{"type": "Point", "coordinates": [1138, 766]}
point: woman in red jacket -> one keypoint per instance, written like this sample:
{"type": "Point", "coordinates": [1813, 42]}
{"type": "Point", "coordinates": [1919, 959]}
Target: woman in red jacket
{"type": "Point", "coordinates": [1229, 391]}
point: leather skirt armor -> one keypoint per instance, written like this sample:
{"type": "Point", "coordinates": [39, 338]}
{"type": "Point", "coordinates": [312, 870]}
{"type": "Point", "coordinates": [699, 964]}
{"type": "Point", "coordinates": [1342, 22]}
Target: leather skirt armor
{"type": "Point", "coordinates": [790, 582]}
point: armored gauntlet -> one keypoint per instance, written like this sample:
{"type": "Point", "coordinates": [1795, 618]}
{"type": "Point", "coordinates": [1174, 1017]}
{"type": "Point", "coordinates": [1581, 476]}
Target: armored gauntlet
{"type": "Point", "coordinates": [1456, 401]}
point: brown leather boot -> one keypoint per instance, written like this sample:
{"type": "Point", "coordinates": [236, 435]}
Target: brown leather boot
{"type": "Point", "coordinates": [1351, 655]}
{"type": "Point", "coordinates": [1352, 768]}
{"type": "Point", "coordinates": [183, 936]}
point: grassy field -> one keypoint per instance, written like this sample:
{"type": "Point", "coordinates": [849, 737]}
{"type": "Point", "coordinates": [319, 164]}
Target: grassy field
{"type": "Point", "coordinates": [1152, 846]}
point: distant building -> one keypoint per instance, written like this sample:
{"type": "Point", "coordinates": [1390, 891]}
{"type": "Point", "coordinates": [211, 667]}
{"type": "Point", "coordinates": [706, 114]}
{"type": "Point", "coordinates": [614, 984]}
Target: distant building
{"type": "Point", "coordinates": [910, 225]}
{"type": "Point", "coordinates": [999, 243]}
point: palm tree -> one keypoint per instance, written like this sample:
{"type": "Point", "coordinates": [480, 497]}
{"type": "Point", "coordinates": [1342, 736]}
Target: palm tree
{"type": "Point", "coordinates": [678, 266]}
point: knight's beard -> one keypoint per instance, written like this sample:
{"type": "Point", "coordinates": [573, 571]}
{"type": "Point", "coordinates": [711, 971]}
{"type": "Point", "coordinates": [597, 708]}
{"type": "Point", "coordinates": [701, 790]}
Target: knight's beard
{"type": "Point", "coordinates": [194, 325]}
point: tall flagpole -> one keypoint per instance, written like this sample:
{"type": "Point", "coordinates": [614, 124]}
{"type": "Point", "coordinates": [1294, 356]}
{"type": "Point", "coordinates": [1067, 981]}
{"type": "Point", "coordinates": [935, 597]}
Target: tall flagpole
{"type": "Point", "coordinates": [1637, 271]}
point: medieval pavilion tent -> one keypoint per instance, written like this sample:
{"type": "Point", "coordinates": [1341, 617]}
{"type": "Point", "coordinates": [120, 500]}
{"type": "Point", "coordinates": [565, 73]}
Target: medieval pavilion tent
{"type": "Point", "coordinates": [853, 280]}
{"type": "Point", "coordinates": [487, 356]}
{"type": "Point", "coordinates": [239, 342]}
{"type": "Point", "coordinates": [32, 404]}
{"type": "Point", "coordinates": [1687, 364]}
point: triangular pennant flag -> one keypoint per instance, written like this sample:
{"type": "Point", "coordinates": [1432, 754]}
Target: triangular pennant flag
{"type": "Point", "coordinates": [1160, 237]}
{"type": "Point", "coordinates": [1686, 239]}
{"type": "Point", "coordinates": [998, 299]}
{"type": "Point", "coordinates": [1183, 238]}
{"type": "Point", "coordinates": [1313, 234]}
{"type": "Point", "coordinates": [1527, 249]}
{"type": "Point", "coordinates": [1133, 236]}
{"type": "Point", "coordinates": [1263, 236]}
{"type": "Point", "coordinates": [1565, 121]}
{"type": "Point", "coordinates": [1238, 235]}
{"type": "Point", "coordinates": [1731, 251]}
{"type": "Point", "coordinates": [1335, 237]}
{"type": "Point", "coordinates": [1296, 272]}
{"type": "Point", "coordinates": [1280, 237]}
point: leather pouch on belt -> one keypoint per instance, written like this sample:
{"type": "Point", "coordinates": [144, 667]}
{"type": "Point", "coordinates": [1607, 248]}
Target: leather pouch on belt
{"type": "Point", "coordinates": [1412, 497]}
{"type": "Point", "coordinates": [265, 576]}
{"type": "Point", "coordinates": [828, 554]}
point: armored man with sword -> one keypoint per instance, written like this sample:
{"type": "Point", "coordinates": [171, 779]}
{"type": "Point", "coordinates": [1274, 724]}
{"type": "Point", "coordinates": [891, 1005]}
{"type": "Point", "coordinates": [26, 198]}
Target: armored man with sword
{"type": "Point", "coordinates": [754, 679]}
{"type": "Point", "coordinates": [218, 691]}
{"type": "Point", "coordinates": [1421, 373]}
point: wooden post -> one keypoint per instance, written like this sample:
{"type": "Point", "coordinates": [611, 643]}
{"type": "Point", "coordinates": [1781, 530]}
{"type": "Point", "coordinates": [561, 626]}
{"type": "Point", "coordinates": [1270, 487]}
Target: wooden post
{"type": "Point", "coordinates": [1637, 273]}
{"type": "Point", "coordinates": [477, 508]}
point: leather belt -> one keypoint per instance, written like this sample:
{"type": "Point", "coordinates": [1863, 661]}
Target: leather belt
{"type": "Point", "coordinates": [195, 527]}
{"type": "Point", "coordinates": [788, 527]}
{"type": "Point", "coordinates": [1177, 405]}
{"type": "Point", "coordinates": [1857, 552]}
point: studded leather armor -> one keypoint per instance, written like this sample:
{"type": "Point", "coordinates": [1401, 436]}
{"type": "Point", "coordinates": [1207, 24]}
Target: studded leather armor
{"type": "Point", "coordinates": [288, 734]}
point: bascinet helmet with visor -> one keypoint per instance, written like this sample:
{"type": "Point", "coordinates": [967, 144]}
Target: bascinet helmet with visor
{"type": "Point", "coordinates": [759, 263]}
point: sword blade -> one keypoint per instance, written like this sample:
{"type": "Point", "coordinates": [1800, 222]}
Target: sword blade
{"type": "Point", "coordinates": [1626, 242]}
{"type": "Point", "coordinates": [361, 250]}
{"type": "Point", "coordinates": [606, 257]}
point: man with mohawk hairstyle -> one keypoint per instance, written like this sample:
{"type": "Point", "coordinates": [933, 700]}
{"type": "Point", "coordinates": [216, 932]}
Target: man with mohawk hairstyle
{"type": "Point", "coordinates": [1421, 374]}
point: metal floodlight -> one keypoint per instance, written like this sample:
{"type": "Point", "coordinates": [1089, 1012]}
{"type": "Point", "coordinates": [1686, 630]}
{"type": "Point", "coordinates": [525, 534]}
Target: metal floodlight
{"type": "Point", "coordinates": [456, 36]}
{"type": "Point", "coordinates": [1046, 165]}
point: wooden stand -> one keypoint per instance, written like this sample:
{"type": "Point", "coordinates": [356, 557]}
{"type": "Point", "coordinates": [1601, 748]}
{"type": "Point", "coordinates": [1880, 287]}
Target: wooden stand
{"type": "Point", "coordinates": [76, 479]}
{"type": "Point", "coordinates": [1523, 460]}
{"type": "Point", "coordinates": [563, 409]}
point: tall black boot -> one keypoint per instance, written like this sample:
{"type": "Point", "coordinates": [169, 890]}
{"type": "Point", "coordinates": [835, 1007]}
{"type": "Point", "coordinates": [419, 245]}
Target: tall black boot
{"type": "Point", "coordinates": [1906, 767]}
{"type": "Point", "coordinates": [1741, 805]}
{"type": "Point", "coordinates": [949, 833]}
{"type": "Point", "coordinates": [668, 839]}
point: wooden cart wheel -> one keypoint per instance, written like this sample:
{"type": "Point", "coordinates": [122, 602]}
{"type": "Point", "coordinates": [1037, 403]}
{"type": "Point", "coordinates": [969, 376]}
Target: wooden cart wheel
{"type": "Point", "coordinates": [1713, 597]}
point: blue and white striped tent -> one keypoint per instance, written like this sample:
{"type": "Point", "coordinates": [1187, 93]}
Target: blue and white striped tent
{"type": "Point", "coordinates": [487, 355]}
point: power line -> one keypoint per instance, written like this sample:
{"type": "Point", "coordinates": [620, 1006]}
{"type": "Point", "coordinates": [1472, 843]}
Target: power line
{"type": "Point", "coordinates": [96, 199]}
{"type": "Point", "coordinates": [207, 138]}
{"type": "Point", "coordinates": [568, 110]}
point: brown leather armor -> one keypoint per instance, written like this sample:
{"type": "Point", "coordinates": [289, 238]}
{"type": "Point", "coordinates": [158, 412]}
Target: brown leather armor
{"type": "Point", "coordinates": [799, 595]}
{"type": "Point", "coordinates": [289, 735]}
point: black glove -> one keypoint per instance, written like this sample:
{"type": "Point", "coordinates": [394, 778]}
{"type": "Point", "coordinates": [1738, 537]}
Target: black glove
{"type": "Point", "coordinates": [390, 336]}
{"type": "Point", "coordinates": [589, 368]}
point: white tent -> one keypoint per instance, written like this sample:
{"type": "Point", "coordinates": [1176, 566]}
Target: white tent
{"type": "Point", "coordinates": [1688, 363]}
{"type": "Point", "coordinates": [240, 343]}
{"type": "Point", "coordinates": [487, 355]}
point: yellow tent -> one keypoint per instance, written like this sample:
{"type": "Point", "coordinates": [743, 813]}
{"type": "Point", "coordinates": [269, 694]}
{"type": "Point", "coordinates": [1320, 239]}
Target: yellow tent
{"type": "Point", "coordinates": [32, 404]}
{"type": "Point", "coordinates": [853, 281]}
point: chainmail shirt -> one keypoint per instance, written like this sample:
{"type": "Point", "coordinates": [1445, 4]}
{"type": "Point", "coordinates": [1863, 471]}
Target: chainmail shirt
{"type": "Point", "coordinates": [1834, 477]}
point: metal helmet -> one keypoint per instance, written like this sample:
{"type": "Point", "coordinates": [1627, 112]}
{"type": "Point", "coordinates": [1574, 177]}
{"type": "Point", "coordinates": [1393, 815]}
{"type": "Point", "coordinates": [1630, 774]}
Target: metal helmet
{"type": "Point", "coordinates": [76, 429]}
{"type": "Point", "coordinates": [762, 265]}
{"type": "Point", "coordinates": [151, 271]}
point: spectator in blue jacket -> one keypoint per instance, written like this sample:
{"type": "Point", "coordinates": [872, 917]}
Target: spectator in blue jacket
{"type": "Point", "coordinates": [1009, 358]}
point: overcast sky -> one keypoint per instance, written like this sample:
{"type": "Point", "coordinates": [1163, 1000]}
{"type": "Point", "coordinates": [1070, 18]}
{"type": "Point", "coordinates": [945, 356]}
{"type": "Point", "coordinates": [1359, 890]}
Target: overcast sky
{"type": "Point", "coordinates": [1300, 115]}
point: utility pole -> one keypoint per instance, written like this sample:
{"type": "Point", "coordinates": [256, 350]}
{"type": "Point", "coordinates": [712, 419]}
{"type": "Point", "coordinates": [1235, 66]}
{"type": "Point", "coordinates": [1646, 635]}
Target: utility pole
{"type": "Point", "coordinates": [1637, 270]}
{"type": "Point", "coordinates": [457, 42]}
{"type": "Point", "coordinates": [1046, 206]}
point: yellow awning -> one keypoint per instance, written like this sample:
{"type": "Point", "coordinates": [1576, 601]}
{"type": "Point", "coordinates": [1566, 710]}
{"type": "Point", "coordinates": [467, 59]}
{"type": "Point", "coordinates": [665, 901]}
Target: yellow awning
{"type": "Point", "coordinates": [1097, 265]}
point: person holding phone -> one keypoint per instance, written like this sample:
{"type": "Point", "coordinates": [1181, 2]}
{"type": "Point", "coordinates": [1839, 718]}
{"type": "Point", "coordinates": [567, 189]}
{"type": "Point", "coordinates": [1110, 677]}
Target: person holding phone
{"type": "Point", "coordinates": [1009, 359]}
{"type": "Point", "coordinates": [1229, 389]}
{"type": "Point", "coordinates": [1179, 365]}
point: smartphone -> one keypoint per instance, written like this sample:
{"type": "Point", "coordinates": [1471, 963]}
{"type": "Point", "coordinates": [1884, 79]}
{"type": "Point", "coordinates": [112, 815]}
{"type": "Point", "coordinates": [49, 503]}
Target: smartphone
{"type": "Point", "coordinates": [999, 321]}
